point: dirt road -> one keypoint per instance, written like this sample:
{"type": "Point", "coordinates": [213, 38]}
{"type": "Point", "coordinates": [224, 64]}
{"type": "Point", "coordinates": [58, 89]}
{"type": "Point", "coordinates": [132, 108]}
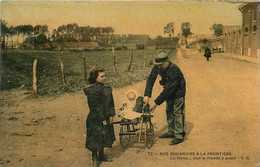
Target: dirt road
{"type": "Point", "coordinates": [222, 123]}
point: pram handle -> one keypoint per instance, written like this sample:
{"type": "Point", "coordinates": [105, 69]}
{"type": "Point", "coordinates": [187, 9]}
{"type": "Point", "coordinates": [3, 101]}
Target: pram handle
{"type": "Point", "coordinates": [117, 122]}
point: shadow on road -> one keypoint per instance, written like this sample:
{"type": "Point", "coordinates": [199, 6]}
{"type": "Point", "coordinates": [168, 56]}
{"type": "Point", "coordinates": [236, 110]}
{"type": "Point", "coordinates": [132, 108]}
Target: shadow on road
{"type": "Point", "coordinates": [188, 127]}
{"type": "Point", "coordinates": [156, 137]}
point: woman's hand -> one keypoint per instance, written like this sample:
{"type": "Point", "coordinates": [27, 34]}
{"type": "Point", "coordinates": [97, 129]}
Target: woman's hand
{"type": "Point", "coordinates": [105, 122]}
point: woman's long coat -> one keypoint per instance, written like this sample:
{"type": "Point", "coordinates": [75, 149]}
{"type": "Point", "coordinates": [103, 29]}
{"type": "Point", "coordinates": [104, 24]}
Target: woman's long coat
{"type": "Point", "coordinates": [101, 105]}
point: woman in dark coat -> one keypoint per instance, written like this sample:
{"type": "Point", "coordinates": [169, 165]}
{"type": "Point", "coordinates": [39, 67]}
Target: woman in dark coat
{"type": "Point", "coordinates": [100, 130]}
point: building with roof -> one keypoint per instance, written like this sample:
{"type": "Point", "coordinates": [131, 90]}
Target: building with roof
{"type": "Point", "coordinates": [232, 39]}
{"type": "Point", "coordinates": [250, 28]}
{"type": "Point", "coordinates": [216, 44]}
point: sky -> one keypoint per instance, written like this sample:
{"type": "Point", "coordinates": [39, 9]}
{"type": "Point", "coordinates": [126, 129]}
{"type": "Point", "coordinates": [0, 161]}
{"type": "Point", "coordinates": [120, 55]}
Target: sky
{"type": "Point", "coordinates": [126, 17]}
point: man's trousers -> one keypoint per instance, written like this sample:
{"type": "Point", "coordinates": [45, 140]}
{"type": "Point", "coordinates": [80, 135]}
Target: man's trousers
{"type": "Point", "coordinates": [175, 110]}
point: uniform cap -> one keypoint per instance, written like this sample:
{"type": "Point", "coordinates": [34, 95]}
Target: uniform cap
{"type": "Point", "coordinates": [160, 58]}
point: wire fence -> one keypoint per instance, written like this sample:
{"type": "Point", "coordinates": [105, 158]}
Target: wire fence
{"type": "Point", "coordinates": [66, 71]}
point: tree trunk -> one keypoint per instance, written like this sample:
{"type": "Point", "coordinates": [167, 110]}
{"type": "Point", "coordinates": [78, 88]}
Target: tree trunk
{"type": "Point", "coordinates": [7, 38]}
{"type": "Point", "coordinates": [144, 59]}
{"type": "Point", "coordinates": [3, 42]}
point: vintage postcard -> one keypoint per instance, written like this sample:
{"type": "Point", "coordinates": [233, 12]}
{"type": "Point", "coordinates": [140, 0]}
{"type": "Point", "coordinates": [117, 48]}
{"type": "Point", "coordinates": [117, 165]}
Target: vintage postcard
{"type": "Point", "coordinates": [130, 83]}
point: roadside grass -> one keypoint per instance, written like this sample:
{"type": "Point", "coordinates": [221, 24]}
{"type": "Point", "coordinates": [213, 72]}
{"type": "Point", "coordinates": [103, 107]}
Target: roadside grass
{"type": "Point", "coordinates": [16, 69]}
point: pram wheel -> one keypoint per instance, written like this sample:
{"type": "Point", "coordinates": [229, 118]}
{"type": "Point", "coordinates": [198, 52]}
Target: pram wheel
{"type": "Point", "coordinates": [149, 128]}
{"type": "Point", "coordinates": [124, 138]}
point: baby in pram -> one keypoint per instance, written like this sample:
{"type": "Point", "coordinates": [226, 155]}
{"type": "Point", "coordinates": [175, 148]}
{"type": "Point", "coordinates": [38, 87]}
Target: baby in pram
{"type": "Point", "coordinates": [132, 108]}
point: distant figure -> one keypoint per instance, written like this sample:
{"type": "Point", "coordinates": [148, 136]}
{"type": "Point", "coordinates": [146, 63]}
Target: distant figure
{"type": "Point", "coordinates": [207, 53]}
{"type": "Point", "coordinates": [100, 130]}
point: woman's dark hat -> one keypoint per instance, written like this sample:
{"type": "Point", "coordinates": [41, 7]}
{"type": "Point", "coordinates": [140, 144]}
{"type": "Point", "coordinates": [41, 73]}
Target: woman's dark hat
{"type": "Point", "coordinates": [160, 58]}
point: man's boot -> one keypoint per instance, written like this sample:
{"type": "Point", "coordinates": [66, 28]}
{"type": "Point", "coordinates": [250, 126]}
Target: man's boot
{"type": "Point", "coordinates": [176, 141]}
{"type": "Point", "coordinates": [102, 157]}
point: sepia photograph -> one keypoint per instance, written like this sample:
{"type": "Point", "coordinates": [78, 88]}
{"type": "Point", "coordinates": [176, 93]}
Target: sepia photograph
{"type": "Point", "coordinates": [124, 83]}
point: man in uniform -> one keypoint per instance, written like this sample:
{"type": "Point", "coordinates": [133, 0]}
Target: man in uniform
{"type": "Point", "coordinates": [173, 93]}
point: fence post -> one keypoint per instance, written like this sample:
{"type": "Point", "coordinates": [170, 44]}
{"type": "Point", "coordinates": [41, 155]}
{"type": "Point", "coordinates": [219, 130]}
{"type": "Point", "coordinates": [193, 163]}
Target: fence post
{"type": "Point", "coordinates": [114, 57]}
{"type": "Point", "coordinates": [62, 73]}
{"type": "Point", "coordinates": [131, 60]}
{"type": "Point", "coordinates": [85, 68]}
{"type": "Point", "coordinates": [35, 76]}
{"type": "Point", "coordinates": [144, 58]}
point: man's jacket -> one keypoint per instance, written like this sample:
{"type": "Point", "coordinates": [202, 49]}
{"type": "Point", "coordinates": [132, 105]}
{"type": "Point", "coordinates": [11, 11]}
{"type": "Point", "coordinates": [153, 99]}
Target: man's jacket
{"type": "Point", "coordinates": [172, 81]}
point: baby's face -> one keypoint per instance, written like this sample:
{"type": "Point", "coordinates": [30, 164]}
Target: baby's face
{"type": "Point", "coordinates": [131, 96]}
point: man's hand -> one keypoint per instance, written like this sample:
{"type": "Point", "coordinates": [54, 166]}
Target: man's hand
{"type": "Point", "coordinates": [146, 100]}
{"type": "Point", "coordinates": [152, 107]}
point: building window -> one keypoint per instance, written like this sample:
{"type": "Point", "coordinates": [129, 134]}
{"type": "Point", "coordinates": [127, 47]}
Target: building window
{"type": "Point", "coordinates": [239, 31]}
{"type": "Point", "coordinates": [246, 29]}
{"type": "Point", "coordinates": [234, 32]}
{"type": "Point", "coordinates": [254, 28]}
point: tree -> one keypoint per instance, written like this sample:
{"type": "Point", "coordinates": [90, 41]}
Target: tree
{"type": "Point", "coordinates": [164, 43]}
{"type": "Point", "coordinates": [61, 31]}
{"type": "Point", "coordinates": [41, 39]}
{"type": "Point", "coordinates": [74, 33]}
{"type": "Point", "coordinates": [24, 30]}
{"type": "Point", "coordinates": [169, 29]}
{"type": "Point", "coordinates": [85, 34]}
{"type": "Point", "coordinates": [107, 35]}
{"type": "Point", "coordinates": [54, 34]}
{"type": "Point", "coordinates": [11, 33]}
{"type": "Point", "coordinates": [203, 41]}
{"type": "Point", "coordinates": [218, 29]}
{"type": "Point", "coordinates": [185, 28]}
{"type": "Point", "coordinates": [67, 33]}
{"type": "Point", "coordinates": [78, 33]}
{"type": "Point", "coordinates": [40, 29]}
{"type": "Point", "coordinates": [4, 32]}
